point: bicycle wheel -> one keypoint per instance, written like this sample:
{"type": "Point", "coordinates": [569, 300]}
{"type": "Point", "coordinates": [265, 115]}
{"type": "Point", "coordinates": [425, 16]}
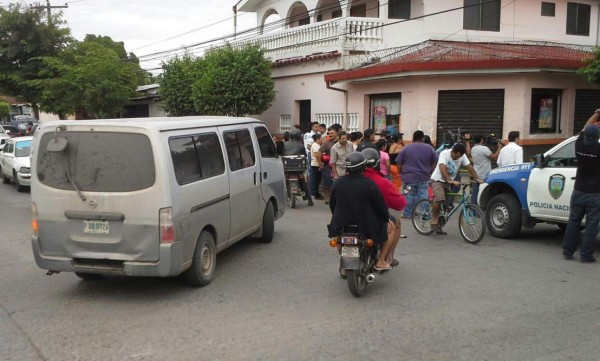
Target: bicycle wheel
{"type": "Point", "coordinates": [471, 223]}
{"type": "Point", "coordinates": [421, 217]}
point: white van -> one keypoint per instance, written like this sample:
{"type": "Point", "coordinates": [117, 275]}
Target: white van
{"type": "Point", "coordinates": [151, 196]}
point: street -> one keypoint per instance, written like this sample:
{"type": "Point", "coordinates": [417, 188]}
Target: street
{"type": "Point", "coordinates": [448, 300]}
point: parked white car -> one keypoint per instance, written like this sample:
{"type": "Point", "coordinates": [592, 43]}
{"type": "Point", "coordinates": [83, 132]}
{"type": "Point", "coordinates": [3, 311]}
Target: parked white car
{"type": "Point", "coordinates": [15, 162]}
{"type": "Point", "coordinates": [3, 138]}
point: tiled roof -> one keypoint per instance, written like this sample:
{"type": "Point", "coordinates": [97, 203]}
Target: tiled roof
{"type": "Point", "coordinates": [435, 55]}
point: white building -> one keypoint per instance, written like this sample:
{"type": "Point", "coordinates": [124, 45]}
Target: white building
{"type": "Point", "coordinates": [433, 65]}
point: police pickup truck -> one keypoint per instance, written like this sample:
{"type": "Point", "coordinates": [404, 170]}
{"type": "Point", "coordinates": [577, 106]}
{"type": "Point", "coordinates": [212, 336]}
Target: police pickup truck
{"type": "Point", "coordinates": [522, 195]}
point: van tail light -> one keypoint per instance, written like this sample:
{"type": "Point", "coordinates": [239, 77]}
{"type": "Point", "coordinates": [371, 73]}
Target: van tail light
{"type": "Point", "coordinates": [34, 219]}
{"type": "Point", "coordinates": [165, 224]}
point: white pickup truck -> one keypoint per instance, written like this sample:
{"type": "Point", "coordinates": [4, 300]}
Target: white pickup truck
{"type": "Point", "coordinates": [522, 195]}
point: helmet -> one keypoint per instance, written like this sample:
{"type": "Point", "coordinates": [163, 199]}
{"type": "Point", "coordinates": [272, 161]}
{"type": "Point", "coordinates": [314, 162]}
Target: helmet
{"type": "Point", "coordinates": [355, 162]}
{"type": "Point", "coordinates": [372, 157]}
{"type": "Point", "coordinates": [296, 134]}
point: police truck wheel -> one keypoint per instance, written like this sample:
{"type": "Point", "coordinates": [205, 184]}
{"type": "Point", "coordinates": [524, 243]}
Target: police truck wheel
{"type": "Point", "coordinates": [204, 263]}
{"type": "Point", "coordinates": [503, 216]}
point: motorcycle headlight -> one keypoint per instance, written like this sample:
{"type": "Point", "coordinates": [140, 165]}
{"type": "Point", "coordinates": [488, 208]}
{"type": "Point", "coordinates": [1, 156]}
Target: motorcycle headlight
{"type": "Point", "coordinates": [25, 170]}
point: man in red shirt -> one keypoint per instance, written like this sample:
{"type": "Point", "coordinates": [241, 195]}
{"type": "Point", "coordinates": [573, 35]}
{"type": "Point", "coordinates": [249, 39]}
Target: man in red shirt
{"type": "Point", "coordinates": [392, 198]}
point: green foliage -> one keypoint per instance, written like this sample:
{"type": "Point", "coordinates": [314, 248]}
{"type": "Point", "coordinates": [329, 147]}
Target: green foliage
{"type": "Point", "coordinates": [176, 81]}
{"type": "Point", "coordinates": [25, 37]}
{"type": "Point", "coordinates": [88, 76]}
{"type": "Point", "coordinates": [226, 81]}
{"type": "Point", "coordinates": [591, 70]}
{"type": "Point", "coordinates": [4, 109]}
{"type": "Point", "coordinates": [234, 82]}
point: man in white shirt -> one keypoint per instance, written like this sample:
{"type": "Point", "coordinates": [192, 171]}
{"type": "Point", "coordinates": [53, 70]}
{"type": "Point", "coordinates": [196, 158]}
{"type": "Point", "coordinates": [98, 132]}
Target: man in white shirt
{"type": "Point", "coordinates": [443, 177]}
{"type": "Point", "coordinates": [512, 153]}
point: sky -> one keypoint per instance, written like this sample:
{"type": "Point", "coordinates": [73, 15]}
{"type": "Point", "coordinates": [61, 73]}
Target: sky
{"type": "Point", "coordinates": [144, 25]}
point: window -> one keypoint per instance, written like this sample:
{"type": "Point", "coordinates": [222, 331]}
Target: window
{"type": "Point", "coordinates": [265, 143]}
{"type": "Point", "coordinates": [359, 11]}
{"type": "Point", "coordinates": [481, 15]}
{"type": "Point", "coordinates": [98, 162]}
{"type": "Point", "coordinates": [399, 9]}
{"type": "Point", "coordinates": [545, 111]}
{"type": "Point", "coordinates": [548, 9]}
{"type": "Point", "coordinates": [196, 157]}
{"type": "Point", "coordinates": [578, 19]}
{"type": "Point", "coordinates": [385, 112]}
{"type": "Point", "coordinates": [564, 157]}
{"type": "Point", "coordinates": [240, 151]}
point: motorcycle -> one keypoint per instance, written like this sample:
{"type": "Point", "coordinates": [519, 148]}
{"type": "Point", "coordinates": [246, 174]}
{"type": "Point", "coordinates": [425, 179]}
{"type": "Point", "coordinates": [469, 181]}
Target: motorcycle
{"type": "Point", "coordinates": [293, 188]}
{"type": "Point", "coordinates": [358, 256]}
{"type": "Point", "coordinates": [294, 167]}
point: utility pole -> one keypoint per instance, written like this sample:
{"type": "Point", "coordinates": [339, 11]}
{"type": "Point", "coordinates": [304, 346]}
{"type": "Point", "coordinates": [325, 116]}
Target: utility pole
{"type": "Point", "coordinates": [49, 8]}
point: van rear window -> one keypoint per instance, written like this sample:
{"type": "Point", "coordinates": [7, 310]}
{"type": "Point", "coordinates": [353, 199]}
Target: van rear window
{"type": "Point", "coordinates": [98, 162]}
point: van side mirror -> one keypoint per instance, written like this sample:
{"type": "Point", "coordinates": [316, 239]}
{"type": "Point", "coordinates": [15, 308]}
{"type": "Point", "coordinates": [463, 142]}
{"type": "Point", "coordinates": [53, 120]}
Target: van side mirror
{"type": "Point", "coordinates": [56, 145]}
{"type": "Point", "coordinates": [540, 161]}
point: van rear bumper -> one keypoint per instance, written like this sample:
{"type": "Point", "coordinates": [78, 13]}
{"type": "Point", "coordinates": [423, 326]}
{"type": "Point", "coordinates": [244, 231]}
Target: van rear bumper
{"type": "Point", "coordinates": [169, 264]}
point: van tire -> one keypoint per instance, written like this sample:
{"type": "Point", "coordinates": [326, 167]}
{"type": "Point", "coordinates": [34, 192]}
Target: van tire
{"type": "Point", "coordinates": [204, 263]}
{"type": "Point", "coordinates": [268, 224]}
{"type": "Point", "coordinates": [89, 276]}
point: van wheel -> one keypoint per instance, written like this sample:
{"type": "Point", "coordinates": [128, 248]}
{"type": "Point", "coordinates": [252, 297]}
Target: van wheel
{"type": "Point", "coordinates": [268, 224]}
{"type": "Point", "coordinates": [204, 263]}
{"type": "Point", "coordinates": [503, 216]}
{"type": "Point", "coordinates": [89, 276]}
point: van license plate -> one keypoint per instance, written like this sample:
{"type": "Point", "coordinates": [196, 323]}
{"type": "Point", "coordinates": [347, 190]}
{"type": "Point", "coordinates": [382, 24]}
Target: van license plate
{"type": "Point", "coordinates": [96, 227]}
{"type": "Point", "coordinates": [350, 252]}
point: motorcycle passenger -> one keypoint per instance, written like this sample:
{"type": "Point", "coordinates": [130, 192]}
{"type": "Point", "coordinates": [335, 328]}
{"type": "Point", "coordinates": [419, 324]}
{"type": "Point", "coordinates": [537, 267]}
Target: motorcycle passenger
{"type": "Point", "coordinates": [356, 200]}
{"type": "Point", "coordinates": [392, 198]}
{"type": "Point", "coordinates": [294, 147]}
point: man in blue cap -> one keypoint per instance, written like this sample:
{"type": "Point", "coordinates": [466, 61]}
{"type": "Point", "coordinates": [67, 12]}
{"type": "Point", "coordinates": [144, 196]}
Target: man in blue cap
{"type": "Point", "coordinates": [585, 200]}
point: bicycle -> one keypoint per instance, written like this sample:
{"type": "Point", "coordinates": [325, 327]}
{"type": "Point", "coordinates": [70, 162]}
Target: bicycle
{"type": "Point", "coordinates": [471, 221]}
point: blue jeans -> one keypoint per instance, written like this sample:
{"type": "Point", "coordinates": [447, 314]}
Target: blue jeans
{"type": "Point", "coordinates": [417, 192]}
{"type": "Point", "coordinates": [474, 192]}
{"type": "Point", "coordinates": [588, 205]}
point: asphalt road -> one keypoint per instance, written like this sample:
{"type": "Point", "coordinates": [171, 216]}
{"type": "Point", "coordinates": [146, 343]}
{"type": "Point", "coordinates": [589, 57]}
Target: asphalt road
{"type": "Point", "coordinates": [448, 300]}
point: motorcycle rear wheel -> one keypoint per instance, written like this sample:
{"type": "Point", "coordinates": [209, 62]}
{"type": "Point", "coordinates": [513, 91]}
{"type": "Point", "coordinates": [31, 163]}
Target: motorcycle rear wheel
{"type": "Point", "coordinates": [356, 282]}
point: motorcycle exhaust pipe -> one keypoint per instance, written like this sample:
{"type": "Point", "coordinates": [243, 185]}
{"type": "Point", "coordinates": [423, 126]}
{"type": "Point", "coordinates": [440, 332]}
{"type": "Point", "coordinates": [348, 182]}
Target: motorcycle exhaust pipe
{"type": "Point", "coordinates": [370, 278]}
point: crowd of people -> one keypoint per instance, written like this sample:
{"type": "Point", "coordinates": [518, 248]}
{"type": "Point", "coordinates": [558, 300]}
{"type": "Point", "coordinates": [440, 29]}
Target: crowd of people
{"type": "Point", "coordinates": [404, 174]}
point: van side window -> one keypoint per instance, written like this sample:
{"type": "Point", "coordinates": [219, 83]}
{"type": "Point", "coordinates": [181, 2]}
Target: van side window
{"type": "Point", "coordinates": [196, 157]}
{"type": "Point", "coordinates": [240, 151]}
{"type": "Point", "coordinates": [265, 143]}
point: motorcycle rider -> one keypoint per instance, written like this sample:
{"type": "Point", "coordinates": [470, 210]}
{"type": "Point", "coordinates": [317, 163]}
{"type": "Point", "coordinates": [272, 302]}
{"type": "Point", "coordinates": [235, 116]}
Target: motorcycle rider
{"type": "Point", "coordinates": [356, 200]}
{"type": "Point", "coordinates": [294, 147]}
{"type": "Point", "coordinates": [392, 198]}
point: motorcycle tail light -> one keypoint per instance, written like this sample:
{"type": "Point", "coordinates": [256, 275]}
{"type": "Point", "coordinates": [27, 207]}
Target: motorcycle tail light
{"type": "Point", "coordinates": [369, 243]}
{"type": "Point", "coordinates": [333, 242]}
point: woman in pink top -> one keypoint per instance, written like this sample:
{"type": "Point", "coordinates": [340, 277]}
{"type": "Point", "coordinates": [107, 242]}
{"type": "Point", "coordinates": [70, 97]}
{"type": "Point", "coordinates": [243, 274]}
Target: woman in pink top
{"type": "Point", "coordinates": [384, 157]}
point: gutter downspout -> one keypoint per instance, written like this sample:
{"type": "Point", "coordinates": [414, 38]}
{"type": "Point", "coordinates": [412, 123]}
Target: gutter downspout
{"type": "Point", "coordinates": [345, 125]}
{"type": "Point", "coordinates": [598, 26]}
{"type": "Point", "coordinates": [235, 11]}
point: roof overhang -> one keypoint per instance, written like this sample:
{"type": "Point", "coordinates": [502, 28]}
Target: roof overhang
{"type": "Point", "coordinates": [248, 5]}
{"type": "Point", "coordinates": [451, 58]}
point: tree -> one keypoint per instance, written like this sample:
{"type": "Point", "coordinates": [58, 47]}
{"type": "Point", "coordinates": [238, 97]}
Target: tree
{"type": "Point", "coordinates": [25, 38]}
{"type": "Point", "coordinates": [4, 109]}
{"type": "Point", "coordinates": [176, 81]}
{"type": "Point", "coordinates": [234, 82]}
{"type": "Point", "coordinates": [87, 77]}
{"type": "Point", "coordinates": [591, 69]}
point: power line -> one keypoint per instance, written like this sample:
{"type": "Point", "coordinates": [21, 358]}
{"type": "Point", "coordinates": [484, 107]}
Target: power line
{"type": "Point", "coordinates": [182, 50]}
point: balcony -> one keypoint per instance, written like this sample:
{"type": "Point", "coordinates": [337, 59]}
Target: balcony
{"type": "Point", "coordinates": [341, 34]}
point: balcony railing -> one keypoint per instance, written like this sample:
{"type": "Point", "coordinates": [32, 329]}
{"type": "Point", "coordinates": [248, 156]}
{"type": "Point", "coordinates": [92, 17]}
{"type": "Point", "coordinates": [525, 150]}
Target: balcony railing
{"type": "Point", "coordinates": [285, 121]}
{"type": "Point", "coordinates": [341, 34]}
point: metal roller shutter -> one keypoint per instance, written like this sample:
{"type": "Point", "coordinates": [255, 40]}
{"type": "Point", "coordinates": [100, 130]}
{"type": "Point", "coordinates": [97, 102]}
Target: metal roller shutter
{"type": "Point", "coordinates": [477, 111]}
{"type": "Point", "coordinates": [586, 101]}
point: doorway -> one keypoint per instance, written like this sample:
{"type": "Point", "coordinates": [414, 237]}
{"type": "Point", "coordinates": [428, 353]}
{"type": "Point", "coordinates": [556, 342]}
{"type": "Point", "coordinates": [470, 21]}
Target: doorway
{"type": "Point", "coordinates": [305, 115]}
